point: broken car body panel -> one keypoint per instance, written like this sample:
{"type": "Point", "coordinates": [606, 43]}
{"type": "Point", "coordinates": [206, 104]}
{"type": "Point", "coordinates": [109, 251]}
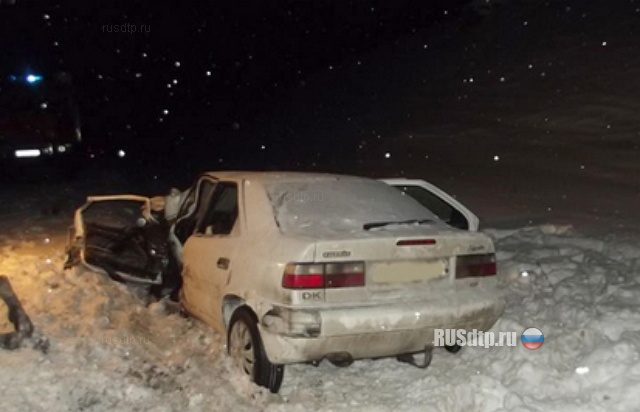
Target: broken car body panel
{"type": "Point", "coordinates": [115, 235]}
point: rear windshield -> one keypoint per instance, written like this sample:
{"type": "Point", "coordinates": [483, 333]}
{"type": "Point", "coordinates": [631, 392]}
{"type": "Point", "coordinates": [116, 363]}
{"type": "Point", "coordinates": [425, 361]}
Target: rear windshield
{"type": "Point", "coordinates": [325, 205]}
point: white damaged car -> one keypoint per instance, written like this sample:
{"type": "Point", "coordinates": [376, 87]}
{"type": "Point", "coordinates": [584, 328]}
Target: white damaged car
{"type": "Point", "coordinates": [299, 267]}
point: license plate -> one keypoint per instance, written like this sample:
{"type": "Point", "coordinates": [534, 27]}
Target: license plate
{"type": "Point", "coordinates": [404, 272]}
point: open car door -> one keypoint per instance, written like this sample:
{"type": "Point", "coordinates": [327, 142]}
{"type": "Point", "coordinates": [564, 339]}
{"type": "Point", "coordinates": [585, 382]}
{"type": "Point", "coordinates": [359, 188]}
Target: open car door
{"type": "Point", "coordinates": [120, 236]}
{"type": "Point", "coordinates": [437, 201]}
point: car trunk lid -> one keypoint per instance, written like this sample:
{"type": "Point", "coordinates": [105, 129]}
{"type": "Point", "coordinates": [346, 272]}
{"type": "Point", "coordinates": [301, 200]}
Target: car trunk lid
{"type": "Point", "coordinates": [399, 263]}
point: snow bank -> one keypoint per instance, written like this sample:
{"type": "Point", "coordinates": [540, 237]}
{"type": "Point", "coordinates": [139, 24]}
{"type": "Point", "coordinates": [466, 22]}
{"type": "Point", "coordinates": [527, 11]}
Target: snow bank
{"type": "Point", "coordinates": [111, 349]}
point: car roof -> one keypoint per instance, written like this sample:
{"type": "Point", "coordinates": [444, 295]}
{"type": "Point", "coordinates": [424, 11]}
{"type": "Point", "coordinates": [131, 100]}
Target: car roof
{"type": "Point", "coordinates": [270, 177]}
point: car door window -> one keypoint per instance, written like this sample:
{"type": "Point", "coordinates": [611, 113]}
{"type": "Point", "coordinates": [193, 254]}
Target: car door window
{"type": "Point", "coordinates": [185, 227]}
{"type": "Point", "coordinates": [439, 207]}
{"type": "Point", "coordinates": [222, 213]}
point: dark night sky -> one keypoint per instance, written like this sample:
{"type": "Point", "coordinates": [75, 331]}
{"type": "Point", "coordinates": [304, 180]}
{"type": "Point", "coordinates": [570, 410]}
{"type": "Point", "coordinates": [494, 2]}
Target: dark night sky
{"type": "Point", "coordinates": [462, 93]}
{"type": "Point", "coordinates": [194, 75]}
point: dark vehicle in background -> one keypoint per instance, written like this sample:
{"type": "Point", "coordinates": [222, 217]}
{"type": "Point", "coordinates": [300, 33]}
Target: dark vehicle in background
{"type": "Point", "coordinates": [39, 124]}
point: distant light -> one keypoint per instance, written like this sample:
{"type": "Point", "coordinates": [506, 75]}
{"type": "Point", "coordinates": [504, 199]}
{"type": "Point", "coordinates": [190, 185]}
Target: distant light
{"type": "Point", "coordinates": [604, 43]}
{"type": "Point", "coordinates": [165, 111]}
{"type": "Point", "coordinates": [27, 153]}
{"type": "Point", "coordinates": [177, 64]}
{"type": "Point", "coordinates": [496, 158]}
{"type": "Point", "coordinates": [32, 78]}
{"type": "Point", "coordinates": [208, 73]}
{"type": "Point", "coordinates": [62, 148]}
{"type": "Point", "coordinates": [524, 274]}
{"type": "Point", "coordinates": [387, 155]}
{"type": "Point", "coordinates": [43, 105]}
{"type": "Point", "coordinates": [121, 153]}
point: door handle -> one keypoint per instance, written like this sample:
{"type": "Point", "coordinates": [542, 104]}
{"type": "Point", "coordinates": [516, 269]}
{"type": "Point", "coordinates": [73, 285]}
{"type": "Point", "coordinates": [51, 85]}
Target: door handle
{"type": "Point", "coordinates": [223, 263]}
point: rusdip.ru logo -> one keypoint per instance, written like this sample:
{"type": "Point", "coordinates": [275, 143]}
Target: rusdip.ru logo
{"type": "Point", "coordinates": [462, 337]}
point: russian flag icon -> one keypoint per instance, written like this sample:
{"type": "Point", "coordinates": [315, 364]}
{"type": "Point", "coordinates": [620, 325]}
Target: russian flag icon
{"type": "Point", "coordinates": [532, 338]}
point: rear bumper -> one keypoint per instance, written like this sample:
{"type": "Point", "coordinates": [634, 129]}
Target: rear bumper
{"type": "Point", "coordinates": [294, 335]}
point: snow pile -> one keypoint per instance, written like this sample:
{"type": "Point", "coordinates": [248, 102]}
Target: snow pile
{"type": "Point", "coordinates": [583, 294]}
{"type": "Point", "coordinates": [111, 348]}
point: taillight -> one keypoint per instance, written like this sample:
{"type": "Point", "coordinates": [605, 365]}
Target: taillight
{"type": "Point", "coordinates": [305, 276]}
{"type": "Point", "coordinates": [320, 276]}
{"type": "Point", "coordinates": [476, 265]}
{"type": "Point", "coordinates": [344, 275]}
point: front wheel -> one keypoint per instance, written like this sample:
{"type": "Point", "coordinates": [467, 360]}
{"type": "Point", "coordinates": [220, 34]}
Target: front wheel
{"type": "Point", "coordinates": [245, 347]}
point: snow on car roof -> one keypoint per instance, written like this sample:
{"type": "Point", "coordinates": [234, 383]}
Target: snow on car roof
{"type": "Point", "coordinates": [273, 176]}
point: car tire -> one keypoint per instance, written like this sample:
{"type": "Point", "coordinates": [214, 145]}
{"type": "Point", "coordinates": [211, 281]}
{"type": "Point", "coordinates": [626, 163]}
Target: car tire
{"type": "Point", "coordinates": [455, 348]}
{"type": "Point", "coordinates": [244, 345]}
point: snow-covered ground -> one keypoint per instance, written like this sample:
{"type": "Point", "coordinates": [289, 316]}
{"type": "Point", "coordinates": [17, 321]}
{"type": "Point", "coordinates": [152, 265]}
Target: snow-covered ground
{"type": "Point", "coordinates": [111, 349]}
{"type": "Point", "coordinates": [529, 116]}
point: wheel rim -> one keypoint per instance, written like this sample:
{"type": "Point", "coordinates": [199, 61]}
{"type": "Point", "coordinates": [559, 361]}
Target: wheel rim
{"type": "Point", "coordinates": [241, 348]}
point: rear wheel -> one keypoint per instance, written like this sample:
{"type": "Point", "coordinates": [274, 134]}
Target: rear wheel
{"type": "Point", "coordinates": [245, 347]}
{"type": "Point", "coordinates": [455, 348]}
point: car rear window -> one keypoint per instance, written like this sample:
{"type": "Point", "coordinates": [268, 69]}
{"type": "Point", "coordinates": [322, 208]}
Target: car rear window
{"type": "Point", "coordinates": [328, 205]}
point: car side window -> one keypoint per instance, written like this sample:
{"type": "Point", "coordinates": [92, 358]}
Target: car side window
{"type": "Point", "coordinates": [186, 226]}
{"type": "Point", "coordinates": [439, 207]}
{"type": "Point", "coordinates": [222, 212]}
